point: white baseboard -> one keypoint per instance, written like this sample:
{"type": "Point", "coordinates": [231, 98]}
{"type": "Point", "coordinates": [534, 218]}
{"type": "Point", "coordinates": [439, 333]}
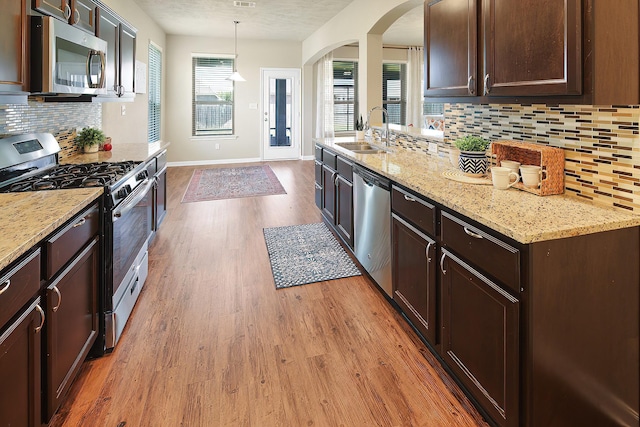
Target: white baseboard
{"type": "Point", "coordinates": [213, 162]}
{"type": "Point", "coordinates": [308, 158]}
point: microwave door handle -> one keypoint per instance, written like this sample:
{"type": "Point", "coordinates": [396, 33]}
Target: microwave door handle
{"type": "Point", "coordinates": [103, 65]}
{"type": "Point", "coordinates": [100, 83]}
{"type": "Point", "coordinates": [89, 56]}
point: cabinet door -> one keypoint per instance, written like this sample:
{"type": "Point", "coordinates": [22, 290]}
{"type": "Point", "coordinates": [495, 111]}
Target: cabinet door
{"type": "Point", "coordinates": [20, 370]}
{"type": "Point", "coordinates": [414, 277]}
{"type": "Point", "coordinates": [329, 193]}
{"type": "Point", "coordinates": [72, 324]}
{"type": "Point", "coordinates": [60, 9]}
{"type": "Point", "coordinates": [532, 47]}
{"type": "Point", "coordinates": [480, 324]}
{"type": "Point", "coordinates": [83, 15]}
{"type": "Point", "coordinates": [108, 28]}
{"type": "Point", "coordinates": [13, 33]}
{"type": "Point", "coordinates": [450, 41]}
{"type": "Point", "coordinates": [161, 197]}
{"type": "Point", "coordinates": [127, 57]}
{"type": "Point", "coordinates": [344, 209]}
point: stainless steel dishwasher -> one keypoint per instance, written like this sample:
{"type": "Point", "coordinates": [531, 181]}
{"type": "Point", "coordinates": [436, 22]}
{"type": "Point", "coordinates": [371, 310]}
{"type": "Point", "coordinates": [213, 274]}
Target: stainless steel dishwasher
{"type": "Point", "coordinates": [372, 225]}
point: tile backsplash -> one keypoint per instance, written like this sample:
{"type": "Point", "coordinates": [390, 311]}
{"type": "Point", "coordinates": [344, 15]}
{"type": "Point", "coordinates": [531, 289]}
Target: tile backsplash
{"type": "Point", "coordinates": [601, 143]}
{"type": "Point", "coordinates": [58, 118]}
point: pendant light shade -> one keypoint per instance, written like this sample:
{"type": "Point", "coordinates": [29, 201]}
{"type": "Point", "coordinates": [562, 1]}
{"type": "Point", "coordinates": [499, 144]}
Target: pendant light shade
{"type": "Point", "coordinates": [235, 76]}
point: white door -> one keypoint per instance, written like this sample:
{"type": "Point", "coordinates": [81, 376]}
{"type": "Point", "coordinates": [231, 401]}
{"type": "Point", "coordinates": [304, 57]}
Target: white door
{"type": "Point", "coordinates": [280, 113]}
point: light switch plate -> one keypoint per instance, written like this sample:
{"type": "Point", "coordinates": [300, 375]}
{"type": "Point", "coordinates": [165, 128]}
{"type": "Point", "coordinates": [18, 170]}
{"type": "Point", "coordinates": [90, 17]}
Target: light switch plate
{"type": "Point", "coordinates": [433, 148]}
{"type": "Point", "coordinates": [253, 106]}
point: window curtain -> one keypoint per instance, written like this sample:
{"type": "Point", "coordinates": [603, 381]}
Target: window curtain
{"type": "Point", "coordinates": [324, 97]}
{"type": "Point", "coordinates": [415, 65]}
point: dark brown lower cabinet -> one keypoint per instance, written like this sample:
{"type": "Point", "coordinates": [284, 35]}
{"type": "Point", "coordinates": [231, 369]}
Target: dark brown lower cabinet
{"type": "Point", "coordinates": [414, 277]}
{"type": "Point", "coordinates": [344, 209]}
{"type": "Point", "coordinates": [480, 338]}
{"type": "Point", "coordinates": [20, 356]}
{"type": "Point", "coordinates": [72, 324]}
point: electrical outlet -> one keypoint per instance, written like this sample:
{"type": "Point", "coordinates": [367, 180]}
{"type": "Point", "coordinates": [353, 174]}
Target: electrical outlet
{"type": "Point", "coordinates": [123, 110]}
{"type": "Point", "coordinates": [217, 146]}
{"type": "Point", "coordinates": [78, 130]}
{"type": "Point", "coordinates": [433, 148]}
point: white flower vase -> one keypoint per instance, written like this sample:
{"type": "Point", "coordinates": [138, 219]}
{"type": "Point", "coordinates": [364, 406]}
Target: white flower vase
{"type": "Point", "coordinates": [473, 163]}
{"type": "Point", "coordinates": [91, 148]}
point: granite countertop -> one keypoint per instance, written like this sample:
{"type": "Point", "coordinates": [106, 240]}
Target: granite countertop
{"type": "Point", "coordinates": [523, 216]}
{"type": "Point", "coordinates": [120, 152]}
{"type": "Point", "coordinates": [27, 218]}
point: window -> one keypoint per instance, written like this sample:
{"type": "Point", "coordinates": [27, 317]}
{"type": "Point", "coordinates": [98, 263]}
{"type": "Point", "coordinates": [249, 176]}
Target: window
{"type": "Point", "coordinates": [155, 80]}
{"type": "Point", "coordinates": [345, 95]}
{"type": "Point", "coordinates": [212, 97]}
{"type": "Point", "coordinates": [394, 92]}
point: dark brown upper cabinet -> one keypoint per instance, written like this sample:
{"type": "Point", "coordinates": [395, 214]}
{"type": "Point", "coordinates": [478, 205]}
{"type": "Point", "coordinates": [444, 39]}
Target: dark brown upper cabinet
{"type": "Point", "coordinates": [532, 51]}
{"type": "Point", "coordinates": [80, 13]}
{"type": "Point", "coordinates": [121, 51]}
{"type": "Point", "coordinates": [13, 33]}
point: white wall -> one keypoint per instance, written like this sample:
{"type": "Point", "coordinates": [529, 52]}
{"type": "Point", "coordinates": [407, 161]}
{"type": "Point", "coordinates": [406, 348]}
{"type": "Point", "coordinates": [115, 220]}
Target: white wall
{"type": "Point", "coordinates": [252, 55]}
{"type": "Point", "coordinates": [132, 127]}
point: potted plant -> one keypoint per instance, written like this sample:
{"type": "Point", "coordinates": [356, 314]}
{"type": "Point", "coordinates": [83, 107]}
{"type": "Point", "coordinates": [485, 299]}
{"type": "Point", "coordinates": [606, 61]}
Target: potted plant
{"type": "Point", "coordinates": [473, 155]}
{"type": "Point", "coordinates": [359, 129]}
{"type": "Point", "coordinates": [89, 139]}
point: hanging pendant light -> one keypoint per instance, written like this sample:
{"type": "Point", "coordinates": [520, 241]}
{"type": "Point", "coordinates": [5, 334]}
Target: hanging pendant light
{"type": "Point", "coordinates": [235, 76]}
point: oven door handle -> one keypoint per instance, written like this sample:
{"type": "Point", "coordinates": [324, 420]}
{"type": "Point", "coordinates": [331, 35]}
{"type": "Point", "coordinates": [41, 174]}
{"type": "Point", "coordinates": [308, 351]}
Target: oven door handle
{"type": "Point", "coordinates": [133, 199]}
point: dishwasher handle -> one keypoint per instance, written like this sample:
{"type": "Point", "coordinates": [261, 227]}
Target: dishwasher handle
{"type": "Point", "coordinates": [372, 178]}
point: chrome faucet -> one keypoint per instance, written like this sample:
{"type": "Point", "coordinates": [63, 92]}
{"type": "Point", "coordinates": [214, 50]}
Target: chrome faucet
{"type": "Point", "coordinates": [384, 137]}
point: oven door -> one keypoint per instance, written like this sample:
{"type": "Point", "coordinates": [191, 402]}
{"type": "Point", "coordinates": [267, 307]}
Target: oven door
{"type": "Point", "coordinates": [131, 229]}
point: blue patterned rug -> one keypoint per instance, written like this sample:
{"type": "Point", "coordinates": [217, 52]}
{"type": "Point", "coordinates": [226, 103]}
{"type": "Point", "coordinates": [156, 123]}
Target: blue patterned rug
{"type": "Point", "coordinates": [232, 183]}
{"type": "Point", "coordinates": [302, 254]}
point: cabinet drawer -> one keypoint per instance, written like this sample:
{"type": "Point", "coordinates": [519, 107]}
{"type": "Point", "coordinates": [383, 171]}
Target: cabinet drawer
{"type": "Point", "coordinates": [18, 286]}
{"type": "Point", "coordinates": [413, 208]}
{"type": "Point", "coordinates": [345, 169]}
{"type": "Point", "coordinates": [318, 153]}
{"type": "Point", "coordinates": [497, 258]}
{"type": "Point", "coordinates": [330, 159]}
{"type": "Point", "coordinates": [67, 242]}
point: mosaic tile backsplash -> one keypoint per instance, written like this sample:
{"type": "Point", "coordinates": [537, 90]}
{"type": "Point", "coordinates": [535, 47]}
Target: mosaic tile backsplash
{"type": "Point", "coordinates": [601, 143]}
{"type": "Point", "coordinates": [58, 118]}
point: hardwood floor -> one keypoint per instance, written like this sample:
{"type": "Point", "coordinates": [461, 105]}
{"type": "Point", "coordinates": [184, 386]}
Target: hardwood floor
{"type": "Point", "coordinates": [211, 342]}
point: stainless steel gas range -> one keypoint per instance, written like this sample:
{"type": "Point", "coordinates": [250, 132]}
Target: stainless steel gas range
{"type": "Point", "coordinates": [30, 163]}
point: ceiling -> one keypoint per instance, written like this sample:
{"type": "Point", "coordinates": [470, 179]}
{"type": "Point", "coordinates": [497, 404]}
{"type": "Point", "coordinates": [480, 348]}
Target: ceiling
{"type": "Point", "coordinates": [270, 19]}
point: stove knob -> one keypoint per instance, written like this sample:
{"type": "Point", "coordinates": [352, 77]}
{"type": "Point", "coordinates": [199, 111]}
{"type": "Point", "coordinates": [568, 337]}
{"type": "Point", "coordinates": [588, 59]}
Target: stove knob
{"type": "Point", "coordinates": [142, 175]}
{"type": "Point", "coordinates": [122, 193]}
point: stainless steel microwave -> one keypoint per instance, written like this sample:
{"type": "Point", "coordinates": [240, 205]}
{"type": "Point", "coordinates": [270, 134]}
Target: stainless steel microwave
{"type": "Point", "coordinates": [66, 60]}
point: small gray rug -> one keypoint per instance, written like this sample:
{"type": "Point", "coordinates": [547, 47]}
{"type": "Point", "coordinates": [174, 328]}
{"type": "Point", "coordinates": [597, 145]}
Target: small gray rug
{"type": "Point", "coordinates": [302, 254]}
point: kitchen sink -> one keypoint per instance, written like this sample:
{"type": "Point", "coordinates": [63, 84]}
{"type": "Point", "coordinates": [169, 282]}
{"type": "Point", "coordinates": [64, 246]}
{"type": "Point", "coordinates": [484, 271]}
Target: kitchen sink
{"type": "Point", "coordinates": [361, 148]}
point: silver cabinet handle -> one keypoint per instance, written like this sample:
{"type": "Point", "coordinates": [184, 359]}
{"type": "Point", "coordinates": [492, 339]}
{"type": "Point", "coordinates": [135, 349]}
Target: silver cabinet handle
{"type": "Point", "coordinates": [335, 180]}
{"type": "Point", "coordinates": [80, 223]}
{"type": "Point", "coordinates": [427, 251]}
{"type": "Point", "coordinates": [487, 88]}
{"type": "Point", "coordinates": [442, 264]}
{"type": "Point", "coordinates": [472, 234]}
{"type": "Point", "coordinates": [409, 198]}
{"type": "Point", "coordinates": [41, 318]}
{"type": "Point", "coordinates": [470, 86]}
{"type": "Point", "coordinates": [5, 286]}
{"type": "Point", "coordinates": [67, 12]}
{"type": "Point", "coordinates": [57, 291]}
{"type": "Point", "coordinates": [76, 16]}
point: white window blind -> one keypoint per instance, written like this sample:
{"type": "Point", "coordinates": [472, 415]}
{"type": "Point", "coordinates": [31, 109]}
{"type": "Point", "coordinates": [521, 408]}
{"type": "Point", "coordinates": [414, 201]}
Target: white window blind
{"type": "Point", "coordinates": [212, 98]}
{"type": "Point", "coordinates": [394, 92]}
{"type": "Point", "coordinates": [345, 95]}
{"type": "Point", "coordinates": [155, 80]}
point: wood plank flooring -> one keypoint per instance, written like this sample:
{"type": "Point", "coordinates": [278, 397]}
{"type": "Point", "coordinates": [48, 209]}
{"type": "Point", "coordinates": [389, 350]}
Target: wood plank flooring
{"type": "Point", "coordinates": [211, 342]}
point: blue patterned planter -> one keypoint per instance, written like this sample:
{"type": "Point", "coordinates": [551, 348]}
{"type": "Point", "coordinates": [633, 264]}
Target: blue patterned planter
{"type": "Point", "coordinates": [473, 163]}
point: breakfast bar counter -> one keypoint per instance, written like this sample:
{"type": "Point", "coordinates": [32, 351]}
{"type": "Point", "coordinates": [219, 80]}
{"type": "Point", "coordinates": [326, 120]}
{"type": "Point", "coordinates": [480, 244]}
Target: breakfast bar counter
{"type": "Point", "coordinates": [524, 217]}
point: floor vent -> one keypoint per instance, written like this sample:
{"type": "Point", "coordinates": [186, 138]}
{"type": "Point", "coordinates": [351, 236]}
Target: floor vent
{"type": "Point", "coordinates": [244, 3]}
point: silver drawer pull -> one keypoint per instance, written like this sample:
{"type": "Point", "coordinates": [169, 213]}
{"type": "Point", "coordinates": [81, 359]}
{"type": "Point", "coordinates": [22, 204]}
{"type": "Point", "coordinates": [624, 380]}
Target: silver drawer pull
{"type": "Point", "coordinates": [80, 223]}
{"type": "Point", "coordinates": [442, 264]}
{"type": "Point", "coordinates": [409, 198]}
{"type": "Point", "coordinates": [427, 251]}
{"type": "Point", "coordinates": [5, 286]}
{"type": "Point", "coordinates": [472, 234]}
{"type": "Point", "coordinates": [57, 291]}
{"type": "Point", "coordinates": [41, 318]}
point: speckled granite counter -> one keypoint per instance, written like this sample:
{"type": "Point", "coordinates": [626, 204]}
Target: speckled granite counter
{"type": "Point", "coordinates": [522, 216]}
{"type": "Point", "coordinates": [27, 218]}
{"type": "Point", "coordinates": [121, 152]}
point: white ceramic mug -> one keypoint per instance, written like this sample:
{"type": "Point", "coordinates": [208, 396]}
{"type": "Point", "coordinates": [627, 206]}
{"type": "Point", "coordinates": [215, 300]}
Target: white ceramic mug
{"type": "Point", "coordinates": [501, 177]}
{"type": "Point", "coordinates": [531, 175]}
{"type": "Point", "coordinates": [511, 164]}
